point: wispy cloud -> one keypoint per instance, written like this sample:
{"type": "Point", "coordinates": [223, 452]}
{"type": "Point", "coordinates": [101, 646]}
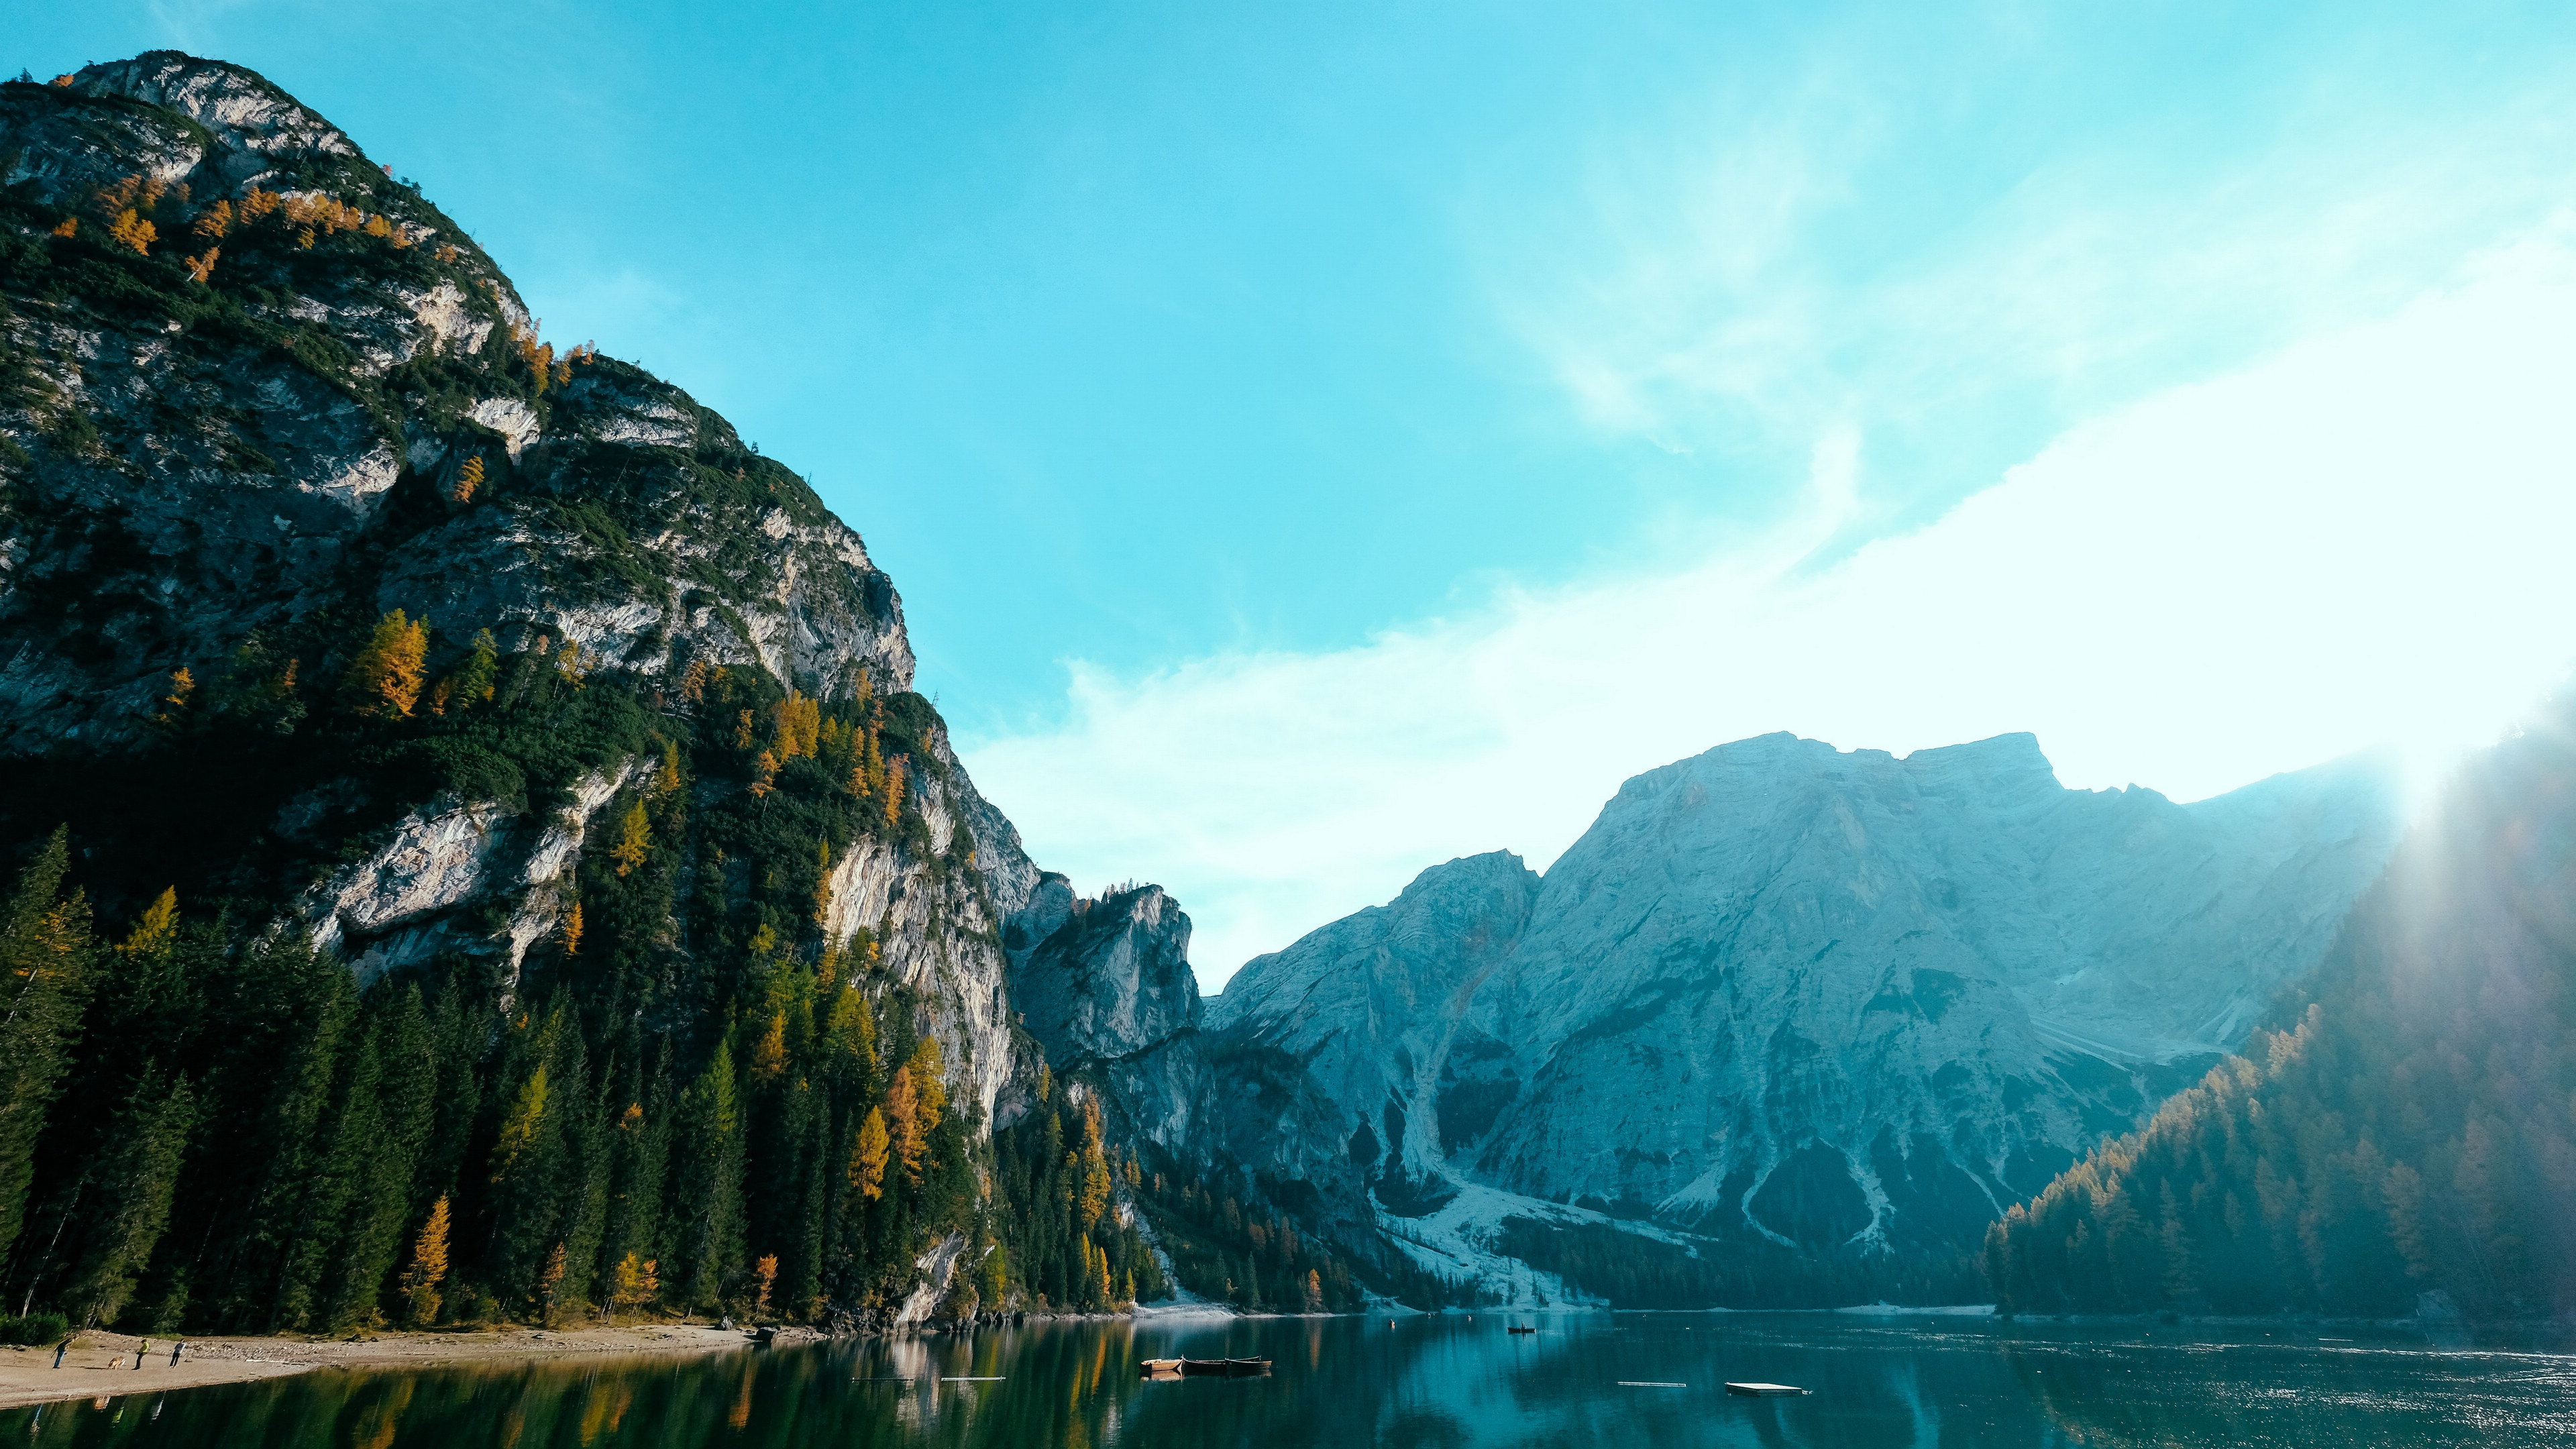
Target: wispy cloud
{"type": "Point", "coordinates": [1815, 248]}
{"type": "Point", "coordinates": [2355, 539]}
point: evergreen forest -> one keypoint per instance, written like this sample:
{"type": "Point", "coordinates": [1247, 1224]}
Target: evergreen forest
{"type": "Point", "coordinates": [2403, 1139]}
{"type": "Point", "coordinates": [691, 1101]}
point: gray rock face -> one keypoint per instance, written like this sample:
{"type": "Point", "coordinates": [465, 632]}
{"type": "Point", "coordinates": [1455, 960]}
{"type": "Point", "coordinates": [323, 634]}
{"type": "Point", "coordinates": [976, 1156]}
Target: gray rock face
{"type": "Point", "coordinates": [1341, 1055]}
{"type": "Point", "coordinates": [230, 487]}
{"type": "Point", "coordinates": [1829, 1002]}
{"type": "Point", "coordinates": [170, 489]}
{"type": "Point", "coordinates": [1106, 989]}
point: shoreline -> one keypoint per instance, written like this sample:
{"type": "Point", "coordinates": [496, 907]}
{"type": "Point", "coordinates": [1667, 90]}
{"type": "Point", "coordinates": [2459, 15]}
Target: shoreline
{"type": "Point", "coordinates": [101, 1365]}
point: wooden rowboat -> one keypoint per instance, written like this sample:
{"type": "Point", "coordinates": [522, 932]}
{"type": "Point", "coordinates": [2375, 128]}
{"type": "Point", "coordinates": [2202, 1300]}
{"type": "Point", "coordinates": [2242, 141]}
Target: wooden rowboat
{"type": "Point", "coordinates": [1224, 1367]}
{"type": "Point", "coordinates": [1517, 1329]}
{"type": "Point", "coordinates": [1765, 1391]}
{"type": "Point", "coordinates": [1157, 1366]}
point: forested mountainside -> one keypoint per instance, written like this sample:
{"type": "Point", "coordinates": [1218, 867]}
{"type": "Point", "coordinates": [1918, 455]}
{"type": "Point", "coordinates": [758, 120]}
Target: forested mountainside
{"type": "Point", "coordinates": [477, 850]}
{"type": "Point", "coordinates": [2407, 1127]}
{"type": "Point", "coordinates": [1788, 1025]}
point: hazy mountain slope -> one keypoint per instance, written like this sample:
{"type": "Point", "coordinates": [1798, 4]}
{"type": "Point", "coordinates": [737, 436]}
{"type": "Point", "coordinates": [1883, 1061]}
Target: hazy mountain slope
{"type": "Point", "coordinates": [1816, 1003]}
{"type": "Point", "coordinates": [2410, 1130]}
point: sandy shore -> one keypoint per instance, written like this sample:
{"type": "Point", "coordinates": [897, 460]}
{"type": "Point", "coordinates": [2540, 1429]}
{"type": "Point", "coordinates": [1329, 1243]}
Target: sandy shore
{"type": "Point", "coordinates": [101, 1364]}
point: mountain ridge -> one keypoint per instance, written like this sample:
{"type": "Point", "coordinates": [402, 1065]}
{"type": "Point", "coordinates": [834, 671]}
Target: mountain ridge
{"type": "Point", "coordinates": [512, 792]}
{"type": "Point", "coordinates": [509, 788]}
{"type": "Point", "coordinates": [1736, 1005]}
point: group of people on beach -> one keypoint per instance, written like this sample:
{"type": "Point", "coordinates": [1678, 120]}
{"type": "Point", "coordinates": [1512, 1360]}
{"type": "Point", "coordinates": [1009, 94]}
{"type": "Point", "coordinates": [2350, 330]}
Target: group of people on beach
{"type": "Point", "coordinates": [141, 1348]}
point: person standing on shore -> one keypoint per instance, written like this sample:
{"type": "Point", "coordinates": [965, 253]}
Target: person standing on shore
{"type": "Point", "coordinates": [140, 1349]}
{"type": "Point", "coordinates": [62, 1348]}
{"type": "Point", "coordinates": [174, 1352]}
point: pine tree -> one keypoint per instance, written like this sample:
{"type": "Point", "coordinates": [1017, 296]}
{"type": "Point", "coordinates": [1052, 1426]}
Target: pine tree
{"type": "Point", "coordinates": [1093, 1202]}
{"type": "Point", "coordinates": [172, 713]}
{"type": "Point", "coordinates": [476, 678]}
{"type": "Point", "coordinates": [550, 1285]}
{"type": "Point", "coordinates": [259, 690]}
{"type": "Point", "coordinates": [142, 1172]}
{"type": "Point", "coordinates": [712, 1182]}
{"type": "Point", "coordinates": [519, 1127]}
{"type": "Point", "coordinates": [400, 1123]}
{"type": "Point", "coordinates": [468, 479]}
{"type": "Point", "coordinates": [45, 967]}
{"type": "Point", "coordinates": [903, 1120]}
{"type": "Point", "coordinates": [635, 1283]}
{"type": "Point", "coordinates": [993, 1274]}
{"type": "Point", "coordinates": [131, 230]}
{"type": "Point", "coordinates": [336, 1201]}
{"type": "Point", "coordinates": [154, 930]}
{"type": "Point", "coordinates": [634, 839]}
{"type": "Point", "coordinates": [769, 1054]}
{"type": "Point", "coordinates": [384, 680]}
{"type": "Point", "coordinates": [852, 1029]}
{"type": "Point", "coordinates": [868, 1162]}
{"type": "Point", "coordinates": [428, 1268]}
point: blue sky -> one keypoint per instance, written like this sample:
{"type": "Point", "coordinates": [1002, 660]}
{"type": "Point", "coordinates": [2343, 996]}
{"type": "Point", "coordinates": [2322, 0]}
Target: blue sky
{"type": "Point", "coordinates": [1315, 440]}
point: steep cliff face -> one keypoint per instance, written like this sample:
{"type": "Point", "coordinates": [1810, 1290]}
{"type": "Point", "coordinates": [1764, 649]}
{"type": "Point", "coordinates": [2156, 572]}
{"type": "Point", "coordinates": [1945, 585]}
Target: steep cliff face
{"type": "Point", "coordinates": [274, 452]}
{"type": "Point", "coordinates": [1833, 1005]}
{"type": "Point", "coordinates": [256, 394]}
{"type": "Point", "coordinates": [1351, 1058]}
{"type": "Point", "coordinates": [212, 458]}
{"type": "Point", "coordinates": [1105, 987]}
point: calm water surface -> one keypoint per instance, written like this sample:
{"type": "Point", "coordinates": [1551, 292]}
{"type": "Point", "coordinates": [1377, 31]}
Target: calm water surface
{"type": "Point", "coordinates": [1425, 1382]}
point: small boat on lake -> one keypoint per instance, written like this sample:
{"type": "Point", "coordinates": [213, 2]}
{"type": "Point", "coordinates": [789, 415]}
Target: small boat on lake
{"type": "Point", "coordinates": [1158, 1367]}
{"type": "Point", "coordinates": [1766, 1391]}
{"type": "Point", "coordinates": [1516, 1328]}
{"type": "Point", "coordinates": [1237, 1368]}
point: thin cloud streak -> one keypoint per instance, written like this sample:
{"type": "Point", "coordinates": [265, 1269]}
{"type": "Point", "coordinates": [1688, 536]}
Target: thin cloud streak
{"type": "Point", "coordinates": [1723, 282]}
{"type": "Point", "coordinates": [2353, 541]}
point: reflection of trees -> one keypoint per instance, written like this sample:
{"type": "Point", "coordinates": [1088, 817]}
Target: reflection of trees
{"type": "Point", "coordinates": [1431, 1384]}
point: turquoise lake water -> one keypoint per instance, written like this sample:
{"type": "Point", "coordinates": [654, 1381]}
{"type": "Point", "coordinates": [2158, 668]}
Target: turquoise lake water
{"type": "Point", "coordinates": [1445, 1381]}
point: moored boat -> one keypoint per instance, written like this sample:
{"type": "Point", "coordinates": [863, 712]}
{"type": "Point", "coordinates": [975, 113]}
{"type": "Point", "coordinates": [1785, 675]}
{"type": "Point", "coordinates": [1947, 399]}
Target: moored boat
{"type": "Point", "coordinates": [1766, 1391]}
{"type": "Point", "coordinates": [1224, 1367]}
{"type": "Point", "coordinates": [1155, 1366]}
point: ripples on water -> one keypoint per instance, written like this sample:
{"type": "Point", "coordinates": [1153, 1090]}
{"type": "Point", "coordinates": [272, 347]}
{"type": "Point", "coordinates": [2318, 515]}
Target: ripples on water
{"type": "Point", "coordinates": [1422, 1382]}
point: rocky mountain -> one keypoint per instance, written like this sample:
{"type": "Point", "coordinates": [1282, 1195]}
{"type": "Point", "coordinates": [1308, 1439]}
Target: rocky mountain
{"type": "Point", "coordinates": [507, 795]}
{"type": "Point", "coordinates": [267, 454]}
{"type": "Point", "coordinates": [464, 791]}
{"type": "Point", "coordinates": [1833, 1012]}
{"type": "Point", "coordinates": [1106, 987]}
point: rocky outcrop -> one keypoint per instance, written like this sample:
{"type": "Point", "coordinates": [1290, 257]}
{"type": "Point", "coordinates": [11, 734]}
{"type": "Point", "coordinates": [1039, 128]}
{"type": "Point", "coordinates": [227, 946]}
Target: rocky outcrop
{"type": "Point", "coordinates": [1105, 987]}
{"type": "Point", "coordinates": [1825, 1002]}
{"type": "Point", "coordinates": [427, 889]}
{"type": "Point", "coordinates": [1349, 1059]}
{"type": "Point", "coordinates": [279, 451]}
{"type": "Point", "coordinates": [226, 479]}
{"type": "Point", "coordinates": [653, 775]}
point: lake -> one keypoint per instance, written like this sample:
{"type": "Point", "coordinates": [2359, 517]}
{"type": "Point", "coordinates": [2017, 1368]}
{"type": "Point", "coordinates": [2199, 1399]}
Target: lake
{"type": "Point", "coordinates": [1444, 1381]}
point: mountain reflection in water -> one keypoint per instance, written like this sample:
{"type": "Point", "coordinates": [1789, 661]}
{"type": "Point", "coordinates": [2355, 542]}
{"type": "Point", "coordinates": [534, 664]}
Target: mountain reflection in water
{"type": "Point", "coordinates": [1926, 1381]}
